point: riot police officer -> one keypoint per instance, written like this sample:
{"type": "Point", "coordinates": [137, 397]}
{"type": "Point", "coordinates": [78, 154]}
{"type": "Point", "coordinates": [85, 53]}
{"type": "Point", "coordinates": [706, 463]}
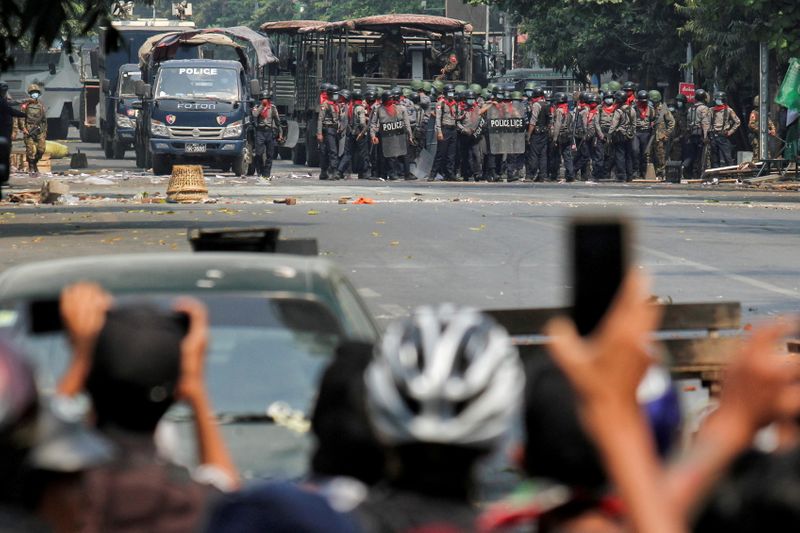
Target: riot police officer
{"type": "Point", "coordinates": [267, 123]}
{"type": "Point", "coordinates": [602, 152]}
{"type": "Point", "coordinates": [392, 131]}
{"type": "Point", "coordinates": [469, 125]}
{"type": "Point", "coordinates": [538, 129]}
{"type": "Point", "coordinates": [446, 113]}
{"type": "Point", "coordinates": [357, 153]}
{"type": "Point", "coordinates": [644, 120]}
{"type": "Point", "coordinates": [663, 130]}
{"type": "Point", "coordinates": [562, 135]}
{"type": "Point", "coordinates": [328, 131]}
{"type": "Point", "coordinates": [698, 124]}
{"type": "Point", "coordinates": [34, 128]}
{"type": "Point", "coordinates": [724, 123]}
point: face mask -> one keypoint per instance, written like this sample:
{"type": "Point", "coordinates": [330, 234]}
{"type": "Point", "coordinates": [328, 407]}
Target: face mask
{"type": "Point", "coordinates": [608, 101]}
{"type": "Point", "coordinates": [451, 95]}
{"type": "Point", "coordinates": [671, 109]}
{"type": "Point", "coordinates": [719, 102]}
{"type": "Point", "coordinates": [470, 101]}
{"type": "Point", "coordinates": [35, 95]}
{"type": "Point", "coordinates": [679, 105]}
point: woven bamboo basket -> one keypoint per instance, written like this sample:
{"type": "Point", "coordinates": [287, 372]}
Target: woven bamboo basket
{"type": "Point", "coordinates": [187, 185]}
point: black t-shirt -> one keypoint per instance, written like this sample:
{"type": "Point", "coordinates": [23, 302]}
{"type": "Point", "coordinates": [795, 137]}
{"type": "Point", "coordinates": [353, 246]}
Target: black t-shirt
{"type": "Point", "coordinates": [392, 510]}
{"type": "Point", "coordinates": [760, 493]}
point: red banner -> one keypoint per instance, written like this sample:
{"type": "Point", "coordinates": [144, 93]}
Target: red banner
{"type": "Point", "coordinates": [687, 89]}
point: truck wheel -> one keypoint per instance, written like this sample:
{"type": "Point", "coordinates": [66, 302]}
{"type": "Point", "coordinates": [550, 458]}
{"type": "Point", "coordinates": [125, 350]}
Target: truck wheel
{"type": "Point", "coordinates": [285, 153]}
{"type": "Point", "coordinates": [89, 134]}
{"type": "Point", "coordinates": [162, 164]}
{"type": "Point", "coordinates": [299, 154]}
{"type": "Point", "coordinates": [105, 142]}
{"type": "Point", "coordinates": [243, 162]}
{"type": "Point", "coordinates": [118, 149]}
{"type": "Point", "coordinates": [312, 149]}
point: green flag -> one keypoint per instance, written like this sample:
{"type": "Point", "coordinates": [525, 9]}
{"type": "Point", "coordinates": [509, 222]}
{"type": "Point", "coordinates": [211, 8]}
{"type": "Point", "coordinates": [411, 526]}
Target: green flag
{"type": "Point", "coordinates": [789, 94]}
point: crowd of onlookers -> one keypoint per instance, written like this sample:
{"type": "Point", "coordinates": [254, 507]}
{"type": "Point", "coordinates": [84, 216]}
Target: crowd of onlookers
{"type": "Point", "coordinates": [402, 430]}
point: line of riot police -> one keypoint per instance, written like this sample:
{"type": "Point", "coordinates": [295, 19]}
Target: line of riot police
{"type": "Point", "coordinates": [438, 131]}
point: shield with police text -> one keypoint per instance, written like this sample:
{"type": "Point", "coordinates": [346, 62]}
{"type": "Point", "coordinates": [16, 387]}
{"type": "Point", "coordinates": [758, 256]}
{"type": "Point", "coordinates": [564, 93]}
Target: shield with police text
{"type": "Point", "coordinates": [392, 132]}
{"type": "Point", "coordinates": [505, 124]}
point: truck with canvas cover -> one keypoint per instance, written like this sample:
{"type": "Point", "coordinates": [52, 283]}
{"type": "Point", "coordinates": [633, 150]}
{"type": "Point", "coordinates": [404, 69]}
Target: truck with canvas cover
{"type": "Point", "coordinates": [119, 45]}
{"type": "Point", "coordinates": [197, 92]}
{"type": "Point", "coordinates": [381, 52]}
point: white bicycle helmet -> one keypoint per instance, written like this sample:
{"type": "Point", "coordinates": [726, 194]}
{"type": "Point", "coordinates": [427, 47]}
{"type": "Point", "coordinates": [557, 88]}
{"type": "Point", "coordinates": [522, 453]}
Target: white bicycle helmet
{"type": "Point", "coordinates": [446, 376]}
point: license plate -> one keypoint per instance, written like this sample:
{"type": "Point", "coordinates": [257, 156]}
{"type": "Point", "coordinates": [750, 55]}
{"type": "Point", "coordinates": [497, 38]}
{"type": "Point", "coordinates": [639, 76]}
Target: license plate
{"type": "Point", "coordinates": [195, 148]}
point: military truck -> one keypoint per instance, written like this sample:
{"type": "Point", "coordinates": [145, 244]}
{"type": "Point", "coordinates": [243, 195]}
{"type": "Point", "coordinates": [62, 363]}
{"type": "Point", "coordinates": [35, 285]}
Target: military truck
{"type": "Point", "coordinates": [124, 97]}
{"type": "Point", "coordinates": [99, 104]}
{"type": "Point", "coordinates": [380, 51]}
{"type": "Point", "coordinates": [197, 91]}
{"type": "Point", "coordinates": [57, 71]}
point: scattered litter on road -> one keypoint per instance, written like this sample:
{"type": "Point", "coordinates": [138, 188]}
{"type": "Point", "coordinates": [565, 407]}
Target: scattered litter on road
{"type": "Point", "coordinates": [312, 212]}
{"type": "Point", "coordinates": [361, 200]}
{"type": "Point", "coordinates": [94, 180]}
{"type": "Point", "coordinates": [287, 201]}
{"type": "Point", "coordinates": [25, 197]}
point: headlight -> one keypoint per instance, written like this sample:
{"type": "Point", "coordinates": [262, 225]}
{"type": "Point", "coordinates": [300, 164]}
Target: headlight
{"type": "Point", "coordinates": [233, 130]}
{"type": "Point", "coordinates": [158, 129]}
{"type": "Point", "coordinates": [124, 122]}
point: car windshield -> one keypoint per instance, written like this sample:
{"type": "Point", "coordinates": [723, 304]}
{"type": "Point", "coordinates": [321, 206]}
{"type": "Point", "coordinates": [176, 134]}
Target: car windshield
{"type": "Point", "coordinates": [197, 82]}
{"type": "Point", "coordinates": [265, 357]}
{"type": "Point", "coordinates": [127, 83]}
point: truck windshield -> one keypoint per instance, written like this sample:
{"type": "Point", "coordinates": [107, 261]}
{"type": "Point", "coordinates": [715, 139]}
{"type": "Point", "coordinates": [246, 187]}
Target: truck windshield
{"type": "Point", "coordinates": [197, 82]}
{"type": "Point", "coordinates": [127, 86]}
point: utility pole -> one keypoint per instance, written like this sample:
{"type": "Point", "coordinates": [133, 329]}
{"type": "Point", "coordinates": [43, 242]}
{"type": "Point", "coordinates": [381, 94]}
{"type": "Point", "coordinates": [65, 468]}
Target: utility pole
{"type": "Point", "coordinates": [763, 95]}
{"type": "Point", "coordinates": [486, 42]}
{"type": "Point", "coordinates": [689, 74]}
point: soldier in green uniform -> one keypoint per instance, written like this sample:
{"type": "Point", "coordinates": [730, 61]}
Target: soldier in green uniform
{"type": "Point", "coordinates": [34, 128]}
{"type": "Point", "coordinates": [664, 128]}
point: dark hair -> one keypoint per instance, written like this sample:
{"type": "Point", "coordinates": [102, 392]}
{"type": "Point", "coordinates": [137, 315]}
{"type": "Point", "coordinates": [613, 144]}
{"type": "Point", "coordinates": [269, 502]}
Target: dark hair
{"type": "Point", "coordinates": [346, 444]}
{"type": "Point", "coordinates": [135, 368]}
{"type": "Point", "coordinates": [556, 446]}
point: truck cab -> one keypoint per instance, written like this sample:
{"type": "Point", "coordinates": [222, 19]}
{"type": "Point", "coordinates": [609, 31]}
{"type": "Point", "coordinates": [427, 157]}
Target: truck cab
{"type": "Point", "coordinates": [123, 99]}
{"type": "Point", "coordinates": [196, 111]}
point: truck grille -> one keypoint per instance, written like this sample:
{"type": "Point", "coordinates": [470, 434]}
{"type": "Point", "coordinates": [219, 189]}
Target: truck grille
{"type": "Point", "coordinates": [188, 132]}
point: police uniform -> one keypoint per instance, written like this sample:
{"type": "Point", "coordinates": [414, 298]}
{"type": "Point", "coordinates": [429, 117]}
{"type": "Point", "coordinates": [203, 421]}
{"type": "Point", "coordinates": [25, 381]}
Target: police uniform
{"type": "Point", "coordinates": [538, 132]}
{"type": "Point", "coordinates": [754, 125]}
{"type": "Point", "coordinates": [384, 116]}
{"type": "Point", "coordinates": [562, 138]}
{"type": "Point", "coordinates": [724, 122]}
{"type": "Point", "coordinates": [267, 123]}
{"type": "Point", "coordinates": [328, 125]}
{"type": "Point", "coordinates": [698, 124]}
{"type": "Point", "coordinates": [35, 131]}
{"type": "Point", "coordinates": [603, 152]}
{"type": "Point", "coordinates": [470, 126]}
{"type": "Point", "coordinates": [583, 136]}
{"type": "Point", "coordinates": [663, 130]}
{"type": "Point", "coordinates": [356, 155]}
{"type": "Point", "coordinates": [628, 130]}
{"type": "Point", "coordinates": [644, 120]}
{"type": "Point", "coordinates": [446, 113]}
{"type": "Point", "coordinates": [618, 132]}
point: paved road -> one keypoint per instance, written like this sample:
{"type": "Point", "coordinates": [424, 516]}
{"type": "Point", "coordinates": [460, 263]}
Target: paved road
{"type": "Point", "coordinates": [487, 245]}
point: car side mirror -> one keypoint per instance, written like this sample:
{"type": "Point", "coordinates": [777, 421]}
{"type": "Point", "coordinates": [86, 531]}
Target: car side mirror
{"type": "Point", "coordinates": [255, 87]}
{"type": "Point", "coordinates": [104, 85]}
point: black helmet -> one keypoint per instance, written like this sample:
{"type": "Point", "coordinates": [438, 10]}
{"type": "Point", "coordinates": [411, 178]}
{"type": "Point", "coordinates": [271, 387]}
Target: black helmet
{"type": "Point", "coordinates": [592, 98]}
{"type": "Point", "coordinates": [386, 96]}
{"type": "Point", "coordinates": [414, 97]}
{"type": "Point", "coordinates": [332, 88]}
{"type": "Point", "coordinates": [620, 96]}
{"type": "Point", "coordinates": [397, 92]}
{"type": "Point", "coordinates": [265, 95]}
{"type": "Point", "coordinates": [722, 96]}
{"type": "Point", "coordinates": [324, 87]}
{"type": "Point", "coordinates": [370, 95]}
{"type": "Point", "coordinates": [561, 98]}
{"type": "Point", "coordinates": [537, 92]}
{"type": "Point", "coordinates": [642, 96]}
{"type": "Point", "coordinates": [681, 98]}
{"type": "Point", "coordinates": [469, 95]}
{"type": "Point", "coordinates": [357, 94]}
{"type": "Point", "coordinates": [629, 86]}
{"type": "Point", "coordinates": [448, 89]}
{"type": "Point", "coordinates": [345, 95]}
{"type": "Point", "coordinates": [700, 95]}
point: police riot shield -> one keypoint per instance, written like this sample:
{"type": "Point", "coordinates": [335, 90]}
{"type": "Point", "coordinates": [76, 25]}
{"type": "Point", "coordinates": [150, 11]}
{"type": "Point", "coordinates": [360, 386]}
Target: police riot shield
{"type": "Point", "coordinates": [393, 135]}
{"type": "Point", "coordinates": [423, 164]}
{"type": "Point", "coordinates": [505, 124]}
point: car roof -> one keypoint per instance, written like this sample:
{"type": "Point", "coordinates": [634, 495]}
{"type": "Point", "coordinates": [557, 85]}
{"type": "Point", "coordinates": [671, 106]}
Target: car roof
{"type": "Point", "coordinates": [178, 272]}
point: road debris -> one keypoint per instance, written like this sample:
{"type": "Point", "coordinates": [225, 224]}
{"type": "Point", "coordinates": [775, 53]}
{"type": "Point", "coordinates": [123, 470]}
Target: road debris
{"type": "Point", "coordinates": [52, 190]}
{"type": "Point", "coordinates": [287, 201]}
{"type": "Point", "coordinates": [187, 185]}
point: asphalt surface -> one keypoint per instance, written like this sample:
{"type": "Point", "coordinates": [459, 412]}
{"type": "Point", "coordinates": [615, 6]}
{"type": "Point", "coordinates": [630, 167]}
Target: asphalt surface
{"type": "Point", "coordinates": [485, 245]}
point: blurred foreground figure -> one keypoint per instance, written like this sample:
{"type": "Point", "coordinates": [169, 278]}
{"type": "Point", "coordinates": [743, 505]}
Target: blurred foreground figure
{"type": "Point", "coordinates": [135, 363]}
{"type": "Point", "coordinates": [442, 392]}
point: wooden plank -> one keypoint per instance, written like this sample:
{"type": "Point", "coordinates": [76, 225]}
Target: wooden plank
{"type": "Point", "coordinates": [717, 316]}
{"type": "Point", "coordinates": [700, 352]}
